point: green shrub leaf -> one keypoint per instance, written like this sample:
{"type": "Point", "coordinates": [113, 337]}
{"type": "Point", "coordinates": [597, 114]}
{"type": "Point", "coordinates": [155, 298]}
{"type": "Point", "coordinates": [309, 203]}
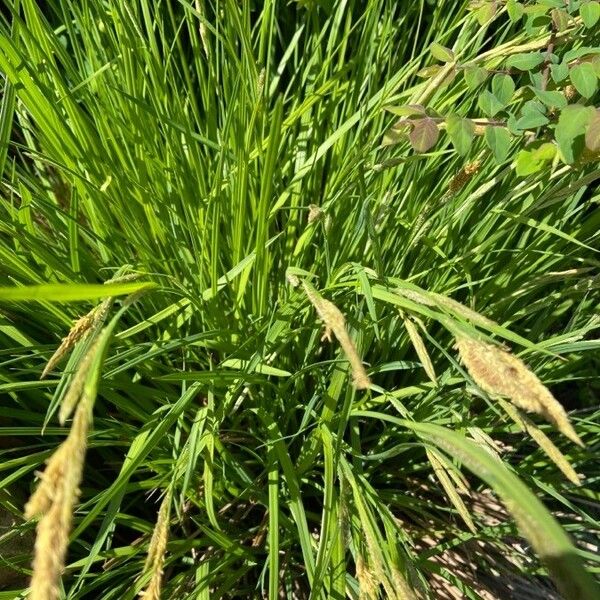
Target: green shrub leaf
{"type": "Point", "coordinates": [475, 76]}
{"type": "Point", "coordinates": [441, 52]}
{"type": "Point", "coordinates": [592, 134]}
{"type": "Point", "coordinates": [532, 161]}
{"type": "Point", "coordinates": [590, 13]}
{"type": "Point", "coordinates": [525, 62]}
{"type": "Point", "coordinates": [424, 134]}
{"type": "Point", "coordinates": [560, 19]}
{"type": "Point", "coordinates": [406, 110]}
{"type": "Point", "coordinates": [461, 132]}
{"type": "Point", "coordinates": [583, 77]}
{"type": "Point", "coordinates": [515, 10]}
{"type": "Point", "coordinates": [489, 104]}
{"type": "Point", "coordinates": [553, 99]}
{"type": "Point", "coordinates": [498, 141]}
{"type": "Point", "coordinates": [572, 123]}
{"type": "Point", "coordinates": [532, 116]}
{"type": "Point", "coordinates": [503, 87]}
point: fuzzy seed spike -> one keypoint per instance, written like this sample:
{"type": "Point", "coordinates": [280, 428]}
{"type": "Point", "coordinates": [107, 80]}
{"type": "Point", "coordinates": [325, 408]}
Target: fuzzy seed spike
{"type": "Point", "coordinates": [500, 373]}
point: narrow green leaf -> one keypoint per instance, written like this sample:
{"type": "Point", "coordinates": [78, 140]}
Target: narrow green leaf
{"type": "Point", "coordinates": [71, 292]}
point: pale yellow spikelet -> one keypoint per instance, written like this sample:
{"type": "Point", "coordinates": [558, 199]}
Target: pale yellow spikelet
{"type": "Point", "coordinates": [51, 478]}
{"type": "Point", "coordinates": [334, 322]}
{"type": "Point", "coordinates": [462, 310]}
{"type": "Point", "coordinates": [482, 439]}
{"type": "Point", "coordinates": [542, 440]}
{"type": "Point", "coordinates": [85, 325]}
{"type": "Point", "coordinates": [570, 92]}
{"type": "Point", "coordinates": [367, 582]}
{"type": "Point", "coordinates": [260, 83]}
{"type": "Point", "coordinates": [155, 559]}
{"type": "Point", "coordinates": [421, 349]}
{"type": "Point", "coordinates": [463, 176]}
{"type": "Point", "coordinates": [415, 296]}
{"type": "Point", "coordinates": [202, 28]}
{"type": "Point", "coordinates": [500, 373]}
{"type": "Point", "coordinates": [73, 394]}
{"type": "Point", "coordinates": [401, 586]}
{"type": "Point", "coordinates": [435, 299]}
{"type": "Point", "coordinates": [78, 331]}
{"type": "Point", "coordinates": [314, 213]}
{"type": "Point", "coordinates": [443, 476]}
{"type": "Point", "coordinates": [54, 500]}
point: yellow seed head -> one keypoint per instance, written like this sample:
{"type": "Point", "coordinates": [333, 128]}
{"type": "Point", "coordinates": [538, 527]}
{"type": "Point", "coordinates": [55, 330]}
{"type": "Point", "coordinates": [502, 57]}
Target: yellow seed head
{"type": "Point", "coordinates": [73, 394]}
{"type": "Point", "coordinates": [80, 329]}
{"type": "Point", "coordinates": [54, 500]}
{"type": "Point", "coordinates": [314, 213]}
{"type": "Point", "coordinates": [464, 176]}
{"type": "Point", "coordinates": [421, 349]}
{"type": "Point", "coordinates": [498, 372]}
{"type": "Point", "coordinates": [367, 582]}
{"type": "Point", "coordinates": [334, 322]}
{"type": "Point", "coordinates": [156, 551]}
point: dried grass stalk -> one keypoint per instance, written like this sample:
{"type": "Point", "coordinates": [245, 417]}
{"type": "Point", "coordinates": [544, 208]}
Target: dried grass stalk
{"type": "Point", "coordinates": [54, 500]}
{"type": "Point", "coordinates": [155, 559]}
{"type": "Point", "coordinates": [334, 322]}
{"type": "Point", "coordinates": [202, 28]}
{"type": "Point", "coordinates": [500, 373]}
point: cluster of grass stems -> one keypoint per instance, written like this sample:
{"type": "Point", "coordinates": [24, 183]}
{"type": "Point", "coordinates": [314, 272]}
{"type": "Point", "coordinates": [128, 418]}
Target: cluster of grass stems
{"type": "Point", "coordinates": [295, 363]}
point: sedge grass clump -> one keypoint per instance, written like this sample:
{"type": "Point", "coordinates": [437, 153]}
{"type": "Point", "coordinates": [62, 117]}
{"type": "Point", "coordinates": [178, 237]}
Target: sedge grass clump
{"type": "Point", "coordinates": [418, 160]}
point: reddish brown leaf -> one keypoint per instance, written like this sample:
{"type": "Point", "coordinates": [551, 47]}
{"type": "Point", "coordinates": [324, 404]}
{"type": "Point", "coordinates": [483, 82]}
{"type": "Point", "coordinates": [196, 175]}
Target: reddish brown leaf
{"type": "Point", "coordinates": [424, 135]}
{"type": "Point", "coordinates": [592, 133]}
